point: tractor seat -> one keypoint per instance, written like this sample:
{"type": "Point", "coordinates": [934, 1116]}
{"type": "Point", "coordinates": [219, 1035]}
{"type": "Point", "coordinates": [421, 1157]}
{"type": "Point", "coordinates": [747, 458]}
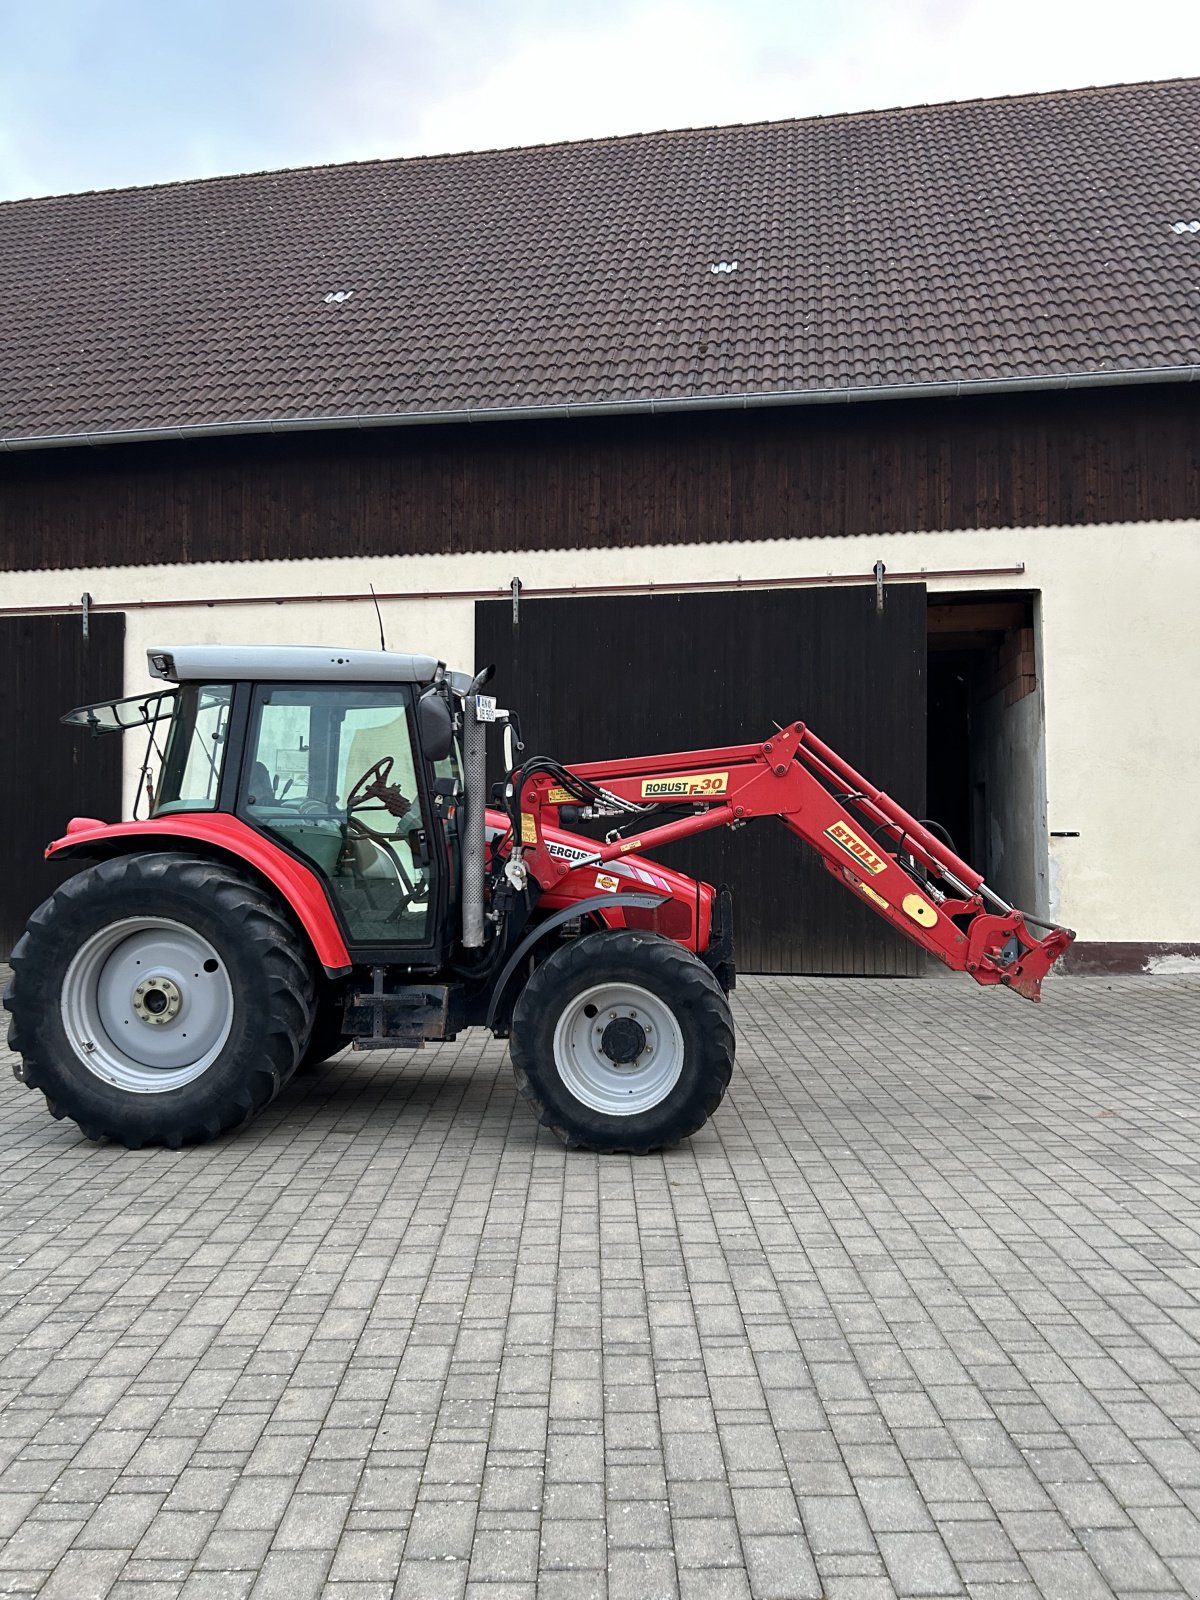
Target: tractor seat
{"type": "Point", "coordinates": [262, 790]}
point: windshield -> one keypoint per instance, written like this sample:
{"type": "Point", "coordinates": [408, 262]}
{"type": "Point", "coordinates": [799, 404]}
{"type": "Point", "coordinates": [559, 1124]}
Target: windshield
{"type": "Point", "coordinates": [195, 753]}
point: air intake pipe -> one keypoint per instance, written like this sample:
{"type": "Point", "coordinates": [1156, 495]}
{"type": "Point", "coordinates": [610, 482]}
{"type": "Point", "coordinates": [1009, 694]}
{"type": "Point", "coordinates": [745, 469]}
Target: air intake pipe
{"type": "Point", "coordinates": [474, 841]}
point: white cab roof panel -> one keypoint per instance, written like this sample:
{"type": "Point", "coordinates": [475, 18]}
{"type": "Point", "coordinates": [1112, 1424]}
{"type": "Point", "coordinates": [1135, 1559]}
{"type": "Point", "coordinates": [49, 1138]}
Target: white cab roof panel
{"type": "Point", "coordinates": [232, 663]}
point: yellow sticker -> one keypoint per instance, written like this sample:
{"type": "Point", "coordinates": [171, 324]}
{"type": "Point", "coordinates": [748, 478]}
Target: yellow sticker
{"type": "Point", "coordinates": [605, 880]}
{"type": "Point", "coordinates": [856, 847]}
{"type": "Point", "coordinates": [561, 797]}
{"type": "Point", "coordinates": [630, 844]}
{"type": "Point", "coordinates": [687, 783]}
{"type": "Point", "coordinates": [528, 829]}
{"type": "Point", "coordinates": [919, 910]}
{"type": "Point", "coordinates": [872, 894]}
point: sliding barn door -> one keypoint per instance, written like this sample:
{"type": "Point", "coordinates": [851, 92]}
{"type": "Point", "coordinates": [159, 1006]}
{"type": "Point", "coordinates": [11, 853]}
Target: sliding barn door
{"type": "Point", "coordinates": [631, 675]}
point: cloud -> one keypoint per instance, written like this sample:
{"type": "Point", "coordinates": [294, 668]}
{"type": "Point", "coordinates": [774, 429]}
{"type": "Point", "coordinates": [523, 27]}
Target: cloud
{"type": "Point", "coordinates": [660, 66]}
{"type": "Point", "coordinates": [680, 65]}
{"type": "Point", "coordinates": [95, 95]}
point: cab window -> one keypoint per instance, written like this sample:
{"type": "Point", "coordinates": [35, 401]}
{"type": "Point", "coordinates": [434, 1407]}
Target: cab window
{"type": "Point", "coordinates": [195, 749]}
{"type": "Point", "coordinates": [331, 773]}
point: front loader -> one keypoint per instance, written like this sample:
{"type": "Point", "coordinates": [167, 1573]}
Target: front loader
{"type": "Point", "coordinates": [313, 865]}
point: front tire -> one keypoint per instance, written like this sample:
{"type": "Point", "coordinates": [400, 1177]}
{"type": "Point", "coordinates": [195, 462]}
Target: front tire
{"type": "Point", "coordinates": [159, 999]}
{"type": "Point", "coordinates": [622, 1041]}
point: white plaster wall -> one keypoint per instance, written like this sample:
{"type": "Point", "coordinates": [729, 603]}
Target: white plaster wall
{"type": "Point", "coordinates": [1120, 654]}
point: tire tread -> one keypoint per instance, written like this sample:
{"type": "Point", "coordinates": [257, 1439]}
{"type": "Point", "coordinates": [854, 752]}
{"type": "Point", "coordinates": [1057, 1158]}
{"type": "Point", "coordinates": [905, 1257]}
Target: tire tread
{"type": "Point", "coordinates": [694, 986]}
{"type": "Point", "coordinates": [262, 928]}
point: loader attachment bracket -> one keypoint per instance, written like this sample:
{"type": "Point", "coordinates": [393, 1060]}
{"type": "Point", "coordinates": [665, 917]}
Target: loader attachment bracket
{"type": "Point", "coordinates": [1003, 950]}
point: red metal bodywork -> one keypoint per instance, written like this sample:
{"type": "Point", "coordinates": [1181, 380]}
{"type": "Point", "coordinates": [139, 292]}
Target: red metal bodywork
{"type": "Point", "coordinates": [860, 833]}
{"type": "Point", "coordinates": [220, 831]}
{"type": "Point", "coordinates": [305, 893]}
{"type": "Point", "coordinates": [686, 917]}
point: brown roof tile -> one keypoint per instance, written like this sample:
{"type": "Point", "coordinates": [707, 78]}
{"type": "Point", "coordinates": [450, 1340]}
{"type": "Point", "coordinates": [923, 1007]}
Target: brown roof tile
{"type": "Point", "coordinates": [1006, 239]}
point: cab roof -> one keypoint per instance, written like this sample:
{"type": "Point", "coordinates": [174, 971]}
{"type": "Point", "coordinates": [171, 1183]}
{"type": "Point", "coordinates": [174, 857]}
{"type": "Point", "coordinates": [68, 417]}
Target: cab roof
{"type": "Point", "coordinates": [224, 663]}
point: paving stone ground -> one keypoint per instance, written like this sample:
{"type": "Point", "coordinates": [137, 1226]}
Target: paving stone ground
{"type": "Point", "coordinates": [918, 1314]}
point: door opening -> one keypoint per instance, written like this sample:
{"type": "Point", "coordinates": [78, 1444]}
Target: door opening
{"type": "Point", "coordinates": [986, 750]}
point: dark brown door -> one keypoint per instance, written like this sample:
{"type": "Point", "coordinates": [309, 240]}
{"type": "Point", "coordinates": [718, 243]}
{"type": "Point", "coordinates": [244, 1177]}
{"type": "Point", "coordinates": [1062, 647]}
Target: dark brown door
{"type": "Point", "coordinates": [623, 676]}
{"type": "Point", "coordinates": [48, 773]}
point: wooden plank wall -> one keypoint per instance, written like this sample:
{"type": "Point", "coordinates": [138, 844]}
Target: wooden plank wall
{"type": "Point", "coordinates": [630, 675]}
{"type": "Point", "coordinates": [51, 773]}
{"type": "Point", "coordinates": [1016, 460]}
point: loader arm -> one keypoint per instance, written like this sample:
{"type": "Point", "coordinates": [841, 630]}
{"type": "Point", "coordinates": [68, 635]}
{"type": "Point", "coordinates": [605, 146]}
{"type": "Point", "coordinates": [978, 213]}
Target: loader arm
{"type": "Point", "coordinates": [869, 843]}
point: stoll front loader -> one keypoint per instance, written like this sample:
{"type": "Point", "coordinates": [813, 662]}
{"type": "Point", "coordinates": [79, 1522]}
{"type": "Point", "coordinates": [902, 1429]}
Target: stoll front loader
{"type": "Point", "coordinates": [319, 868]}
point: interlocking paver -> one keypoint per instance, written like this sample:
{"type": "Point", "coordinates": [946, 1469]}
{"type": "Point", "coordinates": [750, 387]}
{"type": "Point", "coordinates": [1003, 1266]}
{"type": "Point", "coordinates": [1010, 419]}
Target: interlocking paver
{"type": "Point", "coordinates": [917, 1314]}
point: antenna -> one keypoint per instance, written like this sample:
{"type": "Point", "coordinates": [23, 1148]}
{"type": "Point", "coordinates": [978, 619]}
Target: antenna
{"type": "Point", "coordinates": [378, 615]}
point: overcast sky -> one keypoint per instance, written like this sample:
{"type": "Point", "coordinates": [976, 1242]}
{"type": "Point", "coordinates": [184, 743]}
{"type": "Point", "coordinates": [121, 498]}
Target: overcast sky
{"type": "Point", "coordinates": [106, 93]}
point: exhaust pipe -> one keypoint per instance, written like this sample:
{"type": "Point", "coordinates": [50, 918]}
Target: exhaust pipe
{"type": "Point", "coordinates": [474, 840]}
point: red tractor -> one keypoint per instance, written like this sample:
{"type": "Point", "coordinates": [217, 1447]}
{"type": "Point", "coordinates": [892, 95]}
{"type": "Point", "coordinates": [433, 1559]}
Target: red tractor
{"type": "Point", "coordinates": [318, 867]}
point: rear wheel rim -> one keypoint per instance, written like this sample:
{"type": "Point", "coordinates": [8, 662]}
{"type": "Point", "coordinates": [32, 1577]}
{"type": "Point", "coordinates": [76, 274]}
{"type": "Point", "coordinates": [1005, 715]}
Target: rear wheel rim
{"type": "Point", "coordinates": [604, 1022]}
{"type": "Point", "coordinates": [147, 1004]}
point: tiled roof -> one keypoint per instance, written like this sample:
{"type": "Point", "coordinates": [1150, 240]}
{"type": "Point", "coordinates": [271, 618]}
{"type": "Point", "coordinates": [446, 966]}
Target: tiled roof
{"type": "Point", "coordinates": [1010, 239]}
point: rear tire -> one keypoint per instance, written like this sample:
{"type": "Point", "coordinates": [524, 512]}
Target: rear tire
{"type": "Point", "coordinates": [622, 1041]}
{"type": "Point", "coordinates": [159, 999]}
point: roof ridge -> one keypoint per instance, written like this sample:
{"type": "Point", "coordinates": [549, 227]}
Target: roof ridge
{"type": "Point", "coordinates": [1080, 92]}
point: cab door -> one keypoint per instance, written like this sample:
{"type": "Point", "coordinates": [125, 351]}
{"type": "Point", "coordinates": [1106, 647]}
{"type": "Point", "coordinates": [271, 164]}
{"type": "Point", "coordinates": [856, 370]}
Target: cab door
{"type": "Point", "coordinates": [333, 773]}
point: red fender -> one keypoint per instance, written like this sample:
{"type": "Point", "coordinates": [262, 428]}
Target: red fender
{"type": "Point", "coordinates": [295, 883]}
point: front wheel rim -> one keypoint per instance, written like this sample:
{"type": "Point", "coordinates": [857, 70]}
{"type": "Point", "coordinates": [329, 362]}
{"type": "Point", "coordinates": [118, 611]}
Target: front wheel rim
{"type": "Point", "coordinates": [147, 1004]}
{"type": "Point", "coordinates": [618, 1049]}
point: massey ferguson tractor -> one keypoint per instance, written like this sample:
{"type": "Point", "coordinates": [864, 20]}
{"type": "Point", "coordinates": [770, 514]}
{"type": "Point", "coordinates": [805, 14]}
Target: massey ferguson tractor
{"type": "Point", "coordinates": [318, 867]}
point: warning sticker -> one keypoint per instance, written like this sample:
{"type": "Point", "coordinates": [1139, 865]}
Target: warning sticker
{"type": "Point", "coordinates": [684, 785]}
{"type": "Point", "coordinates": [850, 842]}
{"type": "Point", "coordinates": [871, 894]}
{"type": "Point", "coordinates": [560, 797]}
{"type": "Point", "coordinates": [606, 881]}
{"type": "Point", "coordinates": [528, 829]}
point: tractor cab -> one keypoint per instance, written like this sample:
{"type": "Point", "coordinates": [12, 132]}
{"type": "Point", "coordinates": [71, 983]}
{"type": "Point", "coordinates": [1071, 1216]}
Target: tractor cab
{"type": "Point", "coordinates": [347, 760]}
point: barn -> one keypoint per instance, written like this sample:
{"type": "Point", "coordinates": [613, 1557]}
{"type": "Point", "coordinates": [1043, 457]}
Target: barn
{"type": "Point", "coordinates": [884, 422]}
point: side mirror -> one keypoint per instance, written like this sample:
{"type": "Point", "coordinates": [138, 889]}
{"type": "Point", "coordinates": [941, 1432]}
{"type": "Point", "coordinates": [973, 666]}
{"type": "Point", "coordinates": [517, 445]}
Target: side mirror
{"type": "Point", "coordinates": [435, 726]}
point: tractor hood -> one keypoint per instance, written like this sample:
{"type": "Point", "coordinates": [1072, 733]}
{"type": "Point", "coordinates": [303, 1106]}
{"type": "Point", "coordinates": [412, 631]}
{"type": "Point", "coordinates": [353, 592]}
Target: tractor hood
{"type": "Point", "coordinates": [686, 914]}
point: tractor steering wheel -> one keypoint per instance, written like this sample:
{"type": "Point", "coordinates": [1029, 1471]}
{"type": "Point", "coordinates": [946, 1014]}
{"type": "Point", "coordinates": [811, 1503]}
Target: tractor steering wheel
{"type": "Point", "coordinates": [365, 788]}
{"type": "Point", "coordinates": [372, 790]}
